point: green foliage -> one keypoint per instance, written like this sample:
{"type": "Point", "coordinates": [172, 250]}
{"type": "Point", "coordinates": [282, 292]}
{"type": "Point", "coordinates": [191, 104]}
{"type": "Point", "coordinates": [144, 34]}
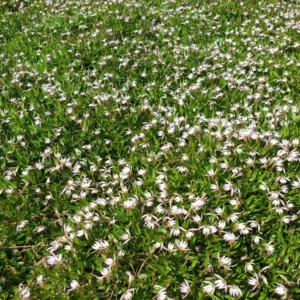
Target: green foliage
{"type": "Point", "coordinates": [149, 149]}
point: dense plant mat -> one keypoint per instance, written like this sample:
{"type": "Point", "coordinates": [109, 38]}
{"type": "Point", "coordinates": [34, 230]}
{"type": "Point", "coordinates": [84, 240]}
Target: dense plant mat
{"type": "Point", "coordinates": [149, 149]}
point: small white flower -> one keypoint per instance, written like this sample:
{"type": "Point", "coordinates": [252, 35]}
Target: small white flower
{"type": "Point", "coordinates": [127, 295]}
{"type": "Point", "coordinates": [209, 288]}
{"type": "Point", "coordinates": [229, 237]}
{"type": "Point", "coordinates": [74, 284]}
{"type": "Point", "coordinates": [220, 283]}
{"type": "Point", "coordinates": [256, 239]}
{"type": "Point", "coordinates": [233, 217]}
{"type": "Point", "coordinates": [54, 259]}
{"type": "Point", "coordinates": [130, 277]}
{"type": "Point", "coordinates": [224, 262]}
{"type": "Point", "coordinates": [182, 246]}
{"type": "Point", "coordinates": [105, 272]}
{"type": "Point", "coordinates": [190, 233]}
{"type": "Point", "coordinates": [211, 173]}
{"type": "Point", "coordinates": [205, 229]}
{"type": "Point", "coordinates": [281, 290]}
{"type": "Point", "coordinates": [235, 291]}
{"type": "Point", "coordinates": [39, 280]}
{"type": "Point", "coordinates": [254, 281]}
{"type": "Point", "coordinates": [269, 248]}
{"type": "Point", "coordinates": [249, 267]}
{"type": "Point", "coordinates": [170, 247]}
{"type": "Point", "coordinates": [25, 293]}
{"type": "Point", "coordinates": [185, 288]}
{"type": "Point", "coordinates": [109, 261]}
{"type": "Point", "coordinates": [158, 245]}
{"type": "Point", "coordinates": [100, 246]}
{"type": "Point", "coordinates": [162, 295]}
{"type": "Point", "coordinates": [39, 229]}
{"type": "Point", "coordinates": [230, 187]}
{"type": "Point", "coordinates": [21, 225]}
{"type": "Point", "coordinates": [221, 224]}
{"type": "Point", "coordinates": [142, 172]}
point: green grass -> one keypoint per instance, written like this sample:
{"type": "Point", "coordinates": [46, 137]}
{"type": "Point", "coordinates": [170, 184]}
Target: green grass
{"type": "Point", "coordinates": [159, 129]}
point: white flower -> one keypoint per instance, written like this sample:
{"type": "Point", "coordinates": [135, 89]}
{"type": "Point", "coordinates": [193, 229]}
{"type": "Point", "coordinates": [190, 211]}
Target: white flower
{"type": "Point", "coordinates": [130, 204]}
{"type": "Point", "coordinates": [254, 281]}
{"type": "Point", "coordinates": [21, 225]}
{"type": "Point", "coordinates": [230, 187]}
{"type": "Point", "coordinates": [25, 293]}
{"type": "Point", "coordinates": [221, 224]}
{"type": "Point", "coordinates": [269, 248]}
{"type": "Point", "coordinates": [211, 173]}
{"type": "Point", "coordinates": [39, 229]}
{"type": "Point", "coordinates": [224, 262]}
{"type": "Point", "coordinates": [142, 172]}
{"type": "Point", "coordinates": [209, 288]}
{"type": "Point", "coordinates": [235, 291]}
{"type": "Point", "coordinates": [105, 272]}
{"type": "Point", "coordinates": [215, 187]}
{"type": "Point", "coordinates": [74, 284]}
{"type": "Point", "coordinates": [39, 280]}
{"type": "Point", "coordinates": [213, 229]}
{"type": "Point", "coordinates": [190, 233]}
{"type": "Point", "coordinates": [182, 246]}
{"type": "Point", "coordinates": [130, 277]}
{"type": "Point", "coordinates": [175, 231]}
{"type": "Point", "coordinates": [127, 295]}
{"type": "Point", "coordinates": [184, 157]}
{"type": "Point", "coordinates": [197, 219]}
{"type": "Point", "coordinates": [100, 246]}
{"type": "Point", "coordinates": [233, 217]}
{"type": "Point", "coordinates": [286, 219]}
{"type": "Point", "coordinates": [162, 295]}
{"type": "Point", "coordinates": [281, 290]}
{"type": "Point", "coordinates": [158, 245]}
{"type": "Point", "coordinates": [185, 288]}
{"type": "Point", "coordinates": [254, 224]}
{"type": "Point", "coordinates": [220, 283]}
{"type": "Point", "coordinates": [126, 170]}
{"type": "Point", "coordinates": [263, 186]}
{"type": "Point", "coordinates": [249, 267]}
{"type": "Point", "coordinates": [296, 183]}
{"type": "Point", "coordinates": [205, 229]}
{"type": "Point", "coordinates": [234, 202]}
{"type": "Point", "coordinates": [229, 237]}
{"type": "Point", "coordinates": [54, 259]}
{"type": "Point", "coordinates": [256, 239]}
{"type": "Point", "coordinates": [170, 247]}
{"type": "Point", "coordinates": [109, 261]}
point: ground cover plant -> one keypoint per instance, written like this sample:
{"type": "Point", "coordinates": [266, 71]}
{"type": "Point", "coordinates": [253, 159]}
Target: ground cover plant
{"type": "Point", "coordinates": [149, 149]}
